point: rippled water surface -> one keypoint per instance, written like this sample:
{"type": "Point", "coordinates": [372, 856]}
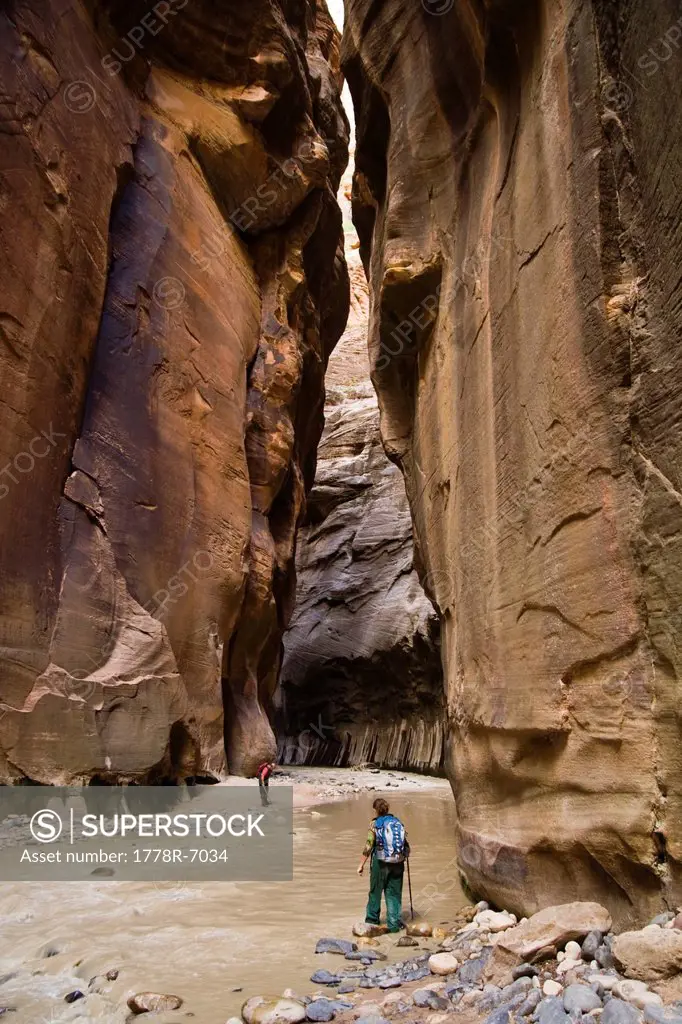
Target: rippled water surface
{"type": "Point", "coordinates": [202, 942]}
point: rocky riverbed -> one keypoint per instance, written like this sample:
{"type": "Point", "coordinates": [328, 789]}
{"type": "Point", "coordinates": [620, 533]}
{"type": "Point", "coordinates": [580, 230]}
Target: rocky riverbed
{"type": "Point", "coordinates": [564, 965]}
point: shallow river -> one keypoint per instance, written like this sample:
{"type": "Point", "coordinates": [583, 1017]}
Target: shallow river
{"type": "Point", "coordinates": [214, 944]}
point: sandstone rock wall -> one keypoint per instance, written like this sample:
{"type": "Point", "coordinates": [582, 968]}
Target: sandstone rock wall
{"type": "Point", "coordinates": [361, 678]}
{"type": "Point", "coordinates": [517, 195]}
{"type": "Point", "coordinates": [172, 282]}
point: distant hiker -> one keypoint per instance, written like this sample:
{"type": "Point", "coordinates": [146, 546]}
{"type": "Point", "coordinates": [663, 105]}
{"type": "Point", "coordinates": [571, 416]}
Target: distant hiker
{"type": "Point", "coordinates": [388, 847]}
{"type": "Point", "coordinates": [264, 772]}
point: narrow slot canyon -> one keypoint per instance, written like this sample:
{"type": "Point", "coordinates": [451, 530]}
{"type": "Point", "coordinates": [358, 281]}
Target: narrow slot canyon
{"type": "Point", "coordinates": [341, 428]}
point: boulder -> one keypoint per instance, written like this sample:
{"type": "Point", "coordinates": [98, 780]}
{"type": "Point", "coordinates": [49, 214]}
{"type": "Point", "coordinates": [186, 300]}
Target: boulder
{"type": "Point", "coordinates": [545, 932]}
{"type": "Point", "coordinates": [155, 1002]}
{"type": "Point", "coordinates": [443, 963]}
{"type": "Point", "coordinates": [650, 954]}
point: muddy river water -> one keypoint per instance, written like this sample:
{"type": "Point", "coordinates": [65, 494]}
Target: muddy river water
{"type": "Point", "coordinates": [215, 944]}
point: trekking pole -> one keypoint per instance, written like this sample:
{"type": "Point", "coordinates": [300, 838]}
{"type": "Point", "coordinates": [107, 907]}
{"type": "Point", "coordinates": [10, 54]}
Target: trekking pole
{"type": "Point", "coordinates": [409, 886]}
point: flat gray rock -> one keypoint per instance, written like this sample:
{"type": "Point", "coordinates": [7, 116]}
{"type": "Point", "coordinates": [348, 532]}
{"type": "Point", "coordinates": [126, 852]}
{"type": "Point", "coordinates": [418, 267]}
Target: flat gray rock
{"type": "Point", "coordinates": [325, 978]}
{"type": "Point", "coordinates": [341, 946]}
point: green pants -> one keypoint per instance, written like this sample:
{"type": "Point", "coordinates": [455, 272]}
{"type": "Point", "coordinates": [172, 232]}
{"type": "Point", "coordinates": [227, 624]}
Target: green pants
{"type": "Point", "coordinates": [387, 879]}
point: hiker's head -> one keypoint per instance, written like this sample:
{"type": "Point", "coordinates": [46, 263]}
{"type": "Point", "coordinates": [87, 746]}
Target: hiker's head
{"type": "Point", "coordinates": [380, 806]}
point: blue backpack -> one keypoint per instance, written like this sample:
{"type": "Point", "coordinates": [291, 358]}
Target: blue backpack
{"type": "Point", "coordinates": [390, 835]}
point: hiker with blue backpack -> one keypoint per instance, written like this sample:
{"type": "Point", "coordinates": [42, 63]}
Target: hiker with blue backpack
{"type": "Point", "coordinates": [388, 847]}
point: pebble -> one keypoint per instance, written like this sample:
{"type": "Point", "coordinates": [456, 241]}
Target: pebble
{"type": "Point", "coordinates": [591, 944]}
{"type": "Point", "coordinates": [390, 983]}
{"type": "Point", "coordinates": [573, 951]}
{"type": "Point", "coordinates": [605, 981]}
{"type": "Point", "coordinates": [498, 1017]}
{"type": "Point", "coordinates": [154, 1002]}
{"type": "Point", "coordinates": [320, 1010]}
{"type": "Point", "coordinates": [662, 919]}
{"type": "Point", "coordinates": [364, 930]}
{"type": "Point", "coordinates": [346, 987]}
{"type": "Point", "coordinates": [636, 992]}
{"type": "Point", "coordinates": [373, 1019]}
{"type": "Point", "coordinates": [495, 921]}
{"type": "Point", "coordinates": [367, 1010]}
{"type": "Point", "coordinates": [524, 971]}
{"type": "Point", "coordinates": [617, 1011]}
{"type": "Point", "coordinates": [443, 963]}
{"type": "Point", "coordinates": [604, 957]}
{"type": "Point", "coordinates": [580, 998]}
{"type": "Point", "coordinates": [419, 928]}
{"type": "Point", "coordinates": [406, 940]}
{"type": "Point", "coordinates": [531, 1001]}
{"type": "Point", "coordinates": [662, 1015]}
{"type": "Point", "coordinates": [393, 998]}
{"type": "Point", "coordinates": [552, 988]}
{"type": "Point", "coordinates": [551, 1011]}
{"type": "Point", "coordinates": [567, 964]}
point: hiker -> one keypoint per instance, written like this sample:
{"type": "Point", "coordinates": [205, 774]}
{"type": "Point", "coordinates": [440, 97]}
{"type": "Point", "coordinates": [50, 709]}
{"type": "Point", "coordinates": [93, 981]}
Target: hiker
{"type": "Point", "coordinates": [264, 772]}
{"type": "Point", "coordinates": [388, 847]}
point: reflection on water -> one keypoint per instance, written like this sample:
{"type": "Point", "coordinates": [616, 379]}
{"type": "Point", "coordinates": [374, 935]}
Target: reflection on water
{"type": "Point", "coordinates": [204, 941]}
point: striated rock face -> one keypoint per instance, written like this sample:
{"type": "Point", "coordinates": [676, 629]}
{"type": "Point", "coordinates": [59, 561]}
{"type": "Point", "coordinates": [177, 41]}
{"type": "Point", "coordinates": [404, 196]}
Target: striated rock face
{"type": "Point", "coordinates": [172, 284]}
{"type": "Point", "coordinates": [361, 677]}
{"type": "Point", "coordinates": [517, 197]}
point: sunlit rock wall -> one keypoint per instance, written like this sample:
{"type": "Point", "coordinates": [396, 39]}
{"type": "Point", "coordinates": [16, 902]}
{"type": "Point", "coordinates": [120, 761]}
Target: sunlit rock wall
{"type": "Point", "coordinates": [172, 282]}
{"type": "Point", "coordinates": [517, 194]}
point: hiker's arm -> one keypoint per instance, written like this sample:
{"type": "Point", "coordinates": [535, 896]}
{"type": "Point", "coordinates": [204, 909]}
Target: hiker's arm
{"type": "Point", "coordinates": [367, 850]}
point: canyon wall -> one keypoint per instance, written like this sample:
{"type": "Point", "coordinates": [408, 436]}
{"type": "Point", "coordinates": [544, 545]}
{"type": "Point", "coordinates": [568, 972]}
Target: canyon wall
{"type": "Point", "coordinates": [172, 283]}
{"type": "Point", "coordinates": [517, 195]}
{"type": "Point", "coordinates": [361, 678]}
